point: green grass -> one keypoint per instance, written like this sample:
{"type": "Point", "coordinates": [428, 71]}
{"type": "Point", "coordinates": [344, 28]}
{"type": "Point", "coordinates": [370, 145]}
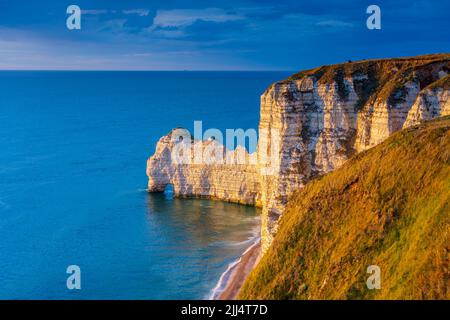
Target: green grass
{"type": "Point", "coordinates": [388, 206]}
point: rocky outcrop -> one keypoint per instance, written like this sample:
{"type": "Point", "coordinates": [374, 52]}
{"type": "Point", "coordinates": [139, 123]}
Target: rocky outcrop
{"type": "Point", "coordinates": [310, 124]}
{"type": "Point", "coordinates": [432, 102]}
{"type": "Point", "coordinates": [217, 174]}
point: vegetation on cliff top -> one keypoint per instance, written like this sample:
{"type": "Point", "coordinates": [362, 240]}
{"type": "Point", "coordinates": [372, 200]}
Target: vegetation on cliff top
{"type": "Point", "coordinates": [388, 206]}
{"type": "Point", "coordinates": [377, 79]}
{"type": "Point", "coordinates": [443, 83]}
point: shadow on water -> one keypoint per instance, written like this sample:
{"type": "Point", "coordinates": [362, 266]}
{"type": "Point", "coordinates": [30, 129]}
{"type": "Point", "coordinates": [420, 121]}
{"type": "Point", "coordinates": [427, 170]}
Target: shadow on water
{"type": "Point", "coordinates": [199, 237]}
{"type": "Point", "coordinates": [207, 222]}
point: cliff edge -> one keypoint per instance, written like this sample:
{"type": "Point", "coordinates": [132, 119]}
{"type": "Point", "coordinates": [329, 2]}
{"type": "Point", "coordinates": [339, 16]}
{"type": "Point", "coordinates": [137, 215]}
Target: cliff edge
{"type": "Point", "coordinates": [310, 124]}
{"type": "Point", "coordinates": [386, 208]}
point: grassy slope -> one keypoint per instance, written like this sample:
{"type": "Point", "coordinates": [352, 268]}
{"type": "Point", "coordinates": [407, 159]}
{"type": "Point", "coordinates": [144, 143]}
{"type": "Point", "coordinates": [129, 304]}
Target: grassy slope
{"type": "Point", "coordinates": [388, 206]}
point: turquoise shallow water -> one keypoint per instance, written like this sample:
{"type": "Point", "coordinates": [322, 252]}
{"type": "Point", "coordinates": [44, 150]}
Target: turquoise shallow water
{"type": "Point", "coordinates": [73, 150]}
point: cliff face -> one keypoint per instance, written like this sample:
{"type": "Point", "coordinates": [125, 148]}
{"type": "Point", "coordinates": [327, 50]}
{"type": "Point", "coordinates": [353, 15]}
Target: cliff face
{"type": "Point", "coordinates": [311, 124]}
{"type": "Point", "coordinates": [321, 117]}
{"type": "Point", "coordinates": [387, 207]}
{"type": "Point", "coordinates": [224, 175]}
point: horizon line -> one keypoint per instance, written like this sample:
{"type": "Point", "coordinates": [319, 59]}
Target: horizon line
{"type": "Point", "coordinates": [146, 70]}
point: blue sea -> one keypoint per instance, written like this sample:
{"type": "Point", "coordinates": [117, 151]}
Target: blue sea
{"type": "Point", "coordinates": [73, 151]}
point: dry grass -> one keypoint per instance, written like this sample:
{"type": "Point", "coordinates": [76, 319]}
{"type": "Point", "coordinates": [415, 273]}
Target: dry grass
{"type": "Point", "coordinates": [386, 78]}
{"type": "Point", "coordinates": [388, 206]}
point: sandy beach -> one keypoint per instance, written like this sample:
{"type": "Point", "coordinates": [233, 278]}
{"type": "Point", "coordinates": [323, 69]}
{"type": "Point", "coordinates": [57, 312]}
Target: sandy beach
{"type": "Point", "coordinates": [238, 273]}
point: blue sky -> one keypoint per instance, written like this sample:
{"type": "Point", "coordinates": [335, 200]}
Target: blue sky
{"type": "Point", "coordinates": [215, 35]}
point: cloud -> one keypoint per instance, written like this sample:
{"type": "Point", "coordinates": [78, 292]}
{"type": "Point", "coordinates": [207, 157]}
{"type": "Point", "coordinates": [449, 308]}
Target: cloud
{"type": "Point", "coordinates": [95, 11]}
{"type": "Point", "coordinates": [142, 54]}
{"type": "Point", "coordinates": [164, 53]}
{"type": "Point", "coordinates": [179, 18]}
{"type": "Point", "coordinates": [169, 33]}
{"type": "Point", "coordinates": [113, 25]}
{"type": "Point", "coordinates": [139, 12]}
{"type": "Point", "coordinates": [334, 24]}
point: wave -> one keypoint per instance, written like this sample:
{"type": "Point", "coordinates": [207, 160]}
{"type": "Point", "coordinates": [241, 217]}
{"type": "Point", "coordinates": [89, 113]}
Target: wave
{"type": "Point", "coordinates": [226, 276]}
{"type": "Point", "coordinates": [255, 232]}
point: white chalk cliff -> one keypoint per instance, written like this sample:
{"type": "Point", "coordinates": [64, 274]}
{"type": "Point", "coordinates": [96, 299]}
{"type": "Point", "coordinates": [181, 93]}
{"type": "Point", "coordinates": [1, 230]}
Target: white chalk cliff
{"type": "Point", "coordinates": [310, 124]}
{"type": "Point", "coordinates": [226, 177]}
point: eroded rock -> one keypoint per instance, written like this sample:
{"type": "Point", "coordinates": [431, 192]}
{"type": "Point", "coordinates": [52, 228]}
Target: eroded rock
{"type": "Point", "coordinates": [310, 124]}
